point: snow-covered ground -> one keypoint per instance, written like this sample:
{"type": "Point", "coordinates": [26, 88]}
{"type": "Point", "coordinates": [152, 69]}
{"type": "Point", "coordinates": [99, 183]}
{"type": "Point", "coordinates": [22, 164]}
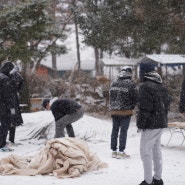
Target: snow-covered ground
{"type": "Point", "coordinates": [96, 133]}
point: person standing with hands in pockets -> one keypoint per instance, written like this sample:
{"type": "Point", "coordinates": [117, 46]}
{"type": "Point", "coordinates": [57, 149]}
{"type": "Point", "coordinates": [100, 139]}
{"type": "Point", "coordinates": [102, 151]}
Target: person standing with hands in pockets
{"type": "Point", "coordinates": [153, 105]}
{"type": "Point", "coordinates": [123, 99]}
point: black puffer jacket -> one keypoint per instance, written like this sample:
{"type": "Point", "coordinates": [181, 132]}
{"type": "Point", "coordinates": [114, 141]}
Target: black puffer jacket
{"type": "Point", "coordinates": [17, 80]}
{"type": "Point", "coordinates": [123, 94]}
{"type": "Point", "coordinates": [8, 95]}
{"type": "Point", "coordinates": [18, 84]}
{"type": "Point", "coordinates": [154, 102]}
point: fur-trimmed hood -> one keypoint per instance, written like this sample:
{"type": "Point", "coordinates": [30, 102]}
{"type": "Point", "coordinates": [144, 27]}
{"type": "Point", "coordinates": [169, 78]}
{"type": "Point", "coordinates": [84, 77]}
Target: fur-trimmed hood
{"type": "Point", "coordinates": [153, 76]}
{"type": "Point", "coordinates": [6, 68]}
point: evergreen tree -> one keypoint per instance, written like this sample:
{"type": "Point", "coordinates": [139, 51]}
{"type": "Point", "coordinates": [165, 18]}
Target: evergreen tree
{"type": "Point", "coordinates": [134, 27]}
{"type": "Point", "coordinates": [25, 31]}
{"type": "Point", "coordinates": [108, 25]}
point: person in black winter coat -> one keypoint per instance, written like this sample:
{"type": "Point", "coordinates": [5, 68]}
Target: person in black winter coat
{"type": "Point", "coordinates": [153, 105]}
{"type": "Point", "coordinates": [123, 99]}
{"type": "Point", "coordinates": [17, 118]}
{"type": "Point", "coordinates": [8, 103]}
{"type": "Point", "coordinates": [65, 112]}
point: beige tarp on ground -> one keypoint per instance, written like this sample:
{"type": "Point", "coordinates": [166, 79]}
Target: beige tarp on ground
{"type": "Point", "coordinates": [63, 157]}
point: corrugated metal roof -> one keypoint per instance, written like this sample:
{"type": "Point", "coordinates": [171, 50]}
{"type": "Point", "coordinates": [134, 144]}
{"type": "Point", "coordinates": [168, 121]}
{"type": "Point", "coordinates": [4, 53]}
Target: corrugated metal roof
{"type": "Point", "coordinates": [118, 61]}
{"type": "Point", "coordinates": [167, 59]}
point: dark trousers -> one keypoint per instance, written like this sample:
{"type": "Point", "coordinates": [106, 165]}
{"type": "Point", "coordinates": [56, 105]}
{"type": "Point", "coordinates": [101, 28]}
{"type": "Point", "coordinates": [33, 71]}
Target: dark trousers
{"type": "Point", "coordinates": [120, 126]}
{"type": "Point", "coordinates": [12, 134]}
{"type": "Point", "coordinates": [3, 135]}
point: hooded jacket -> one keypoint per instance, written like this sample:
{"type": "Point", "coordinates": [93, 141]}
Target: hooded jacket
{"type": "Point", "coordinates": [6, 68]}
{"type": "Point", "coordinates": [8, 95]}
{"type": "Point", "coordinates": [154, 101]}
{"type": "Point", "coordinates": [123, 95]}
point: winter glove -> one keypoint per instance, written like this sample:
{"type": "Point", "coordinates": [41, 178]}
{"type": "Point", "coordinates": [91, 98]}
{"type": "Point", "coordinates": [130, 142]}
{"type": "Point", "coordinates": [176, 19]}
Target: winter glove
{"type": "Point", "coordinates": [12, 111]}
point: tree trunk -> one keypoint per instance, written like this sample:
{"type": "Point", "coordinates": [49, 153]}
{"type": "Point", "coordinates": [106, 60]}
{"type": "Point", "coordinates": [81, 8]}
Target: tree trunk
{"type": "Point", "coordinates": [98, 62]}
{"type": "Point", "coordinates": [24, 93]}
{"type": "Point", "coordinates": [96, 52]}
{"type": "Point", "coordinates": [77, 46]}
{"type": "Point", "coordinates": [53, 54]}
{"type": "Point", "coordinates": [54, 64]}
{"type": "Point", "coordinates": [76, 33]}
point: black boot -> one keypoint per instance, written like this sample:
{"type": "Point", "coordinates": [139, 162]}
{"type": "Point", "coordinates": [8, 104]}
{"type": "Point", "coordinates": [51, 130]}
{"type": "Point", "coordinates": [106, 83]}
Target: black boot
{"type": "Point", "coordinates": [145, 183]}
{"type": "Point", "coordinates": [158, 182]}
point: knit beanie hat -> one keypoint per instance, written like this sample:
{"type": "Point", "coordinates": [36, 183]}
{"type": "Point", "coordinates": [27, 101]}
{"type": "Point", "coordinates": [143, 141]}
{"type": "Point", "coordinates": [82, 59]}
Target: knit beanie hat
{"type": "Point", "coordinates": [127, 69]}
{"type": "Point", "coordinates": [125, 72]}
{"type": "Point", "coordinates": [146, 67]}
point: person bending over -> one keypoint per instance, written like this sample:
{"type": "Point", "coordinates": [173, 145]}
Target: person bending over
{"type": "Point", "coordinates": [65, 112]}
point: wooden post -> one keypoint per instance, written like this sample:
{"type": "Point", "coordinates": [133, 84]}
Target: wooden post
{"type": "Point", "coordinates": [183, 71]}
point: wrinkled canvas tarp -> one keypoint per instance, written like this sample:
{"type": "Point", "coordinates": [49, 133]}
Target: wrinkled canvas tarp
{"type": "Point", "coordinates": [62, 157]}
